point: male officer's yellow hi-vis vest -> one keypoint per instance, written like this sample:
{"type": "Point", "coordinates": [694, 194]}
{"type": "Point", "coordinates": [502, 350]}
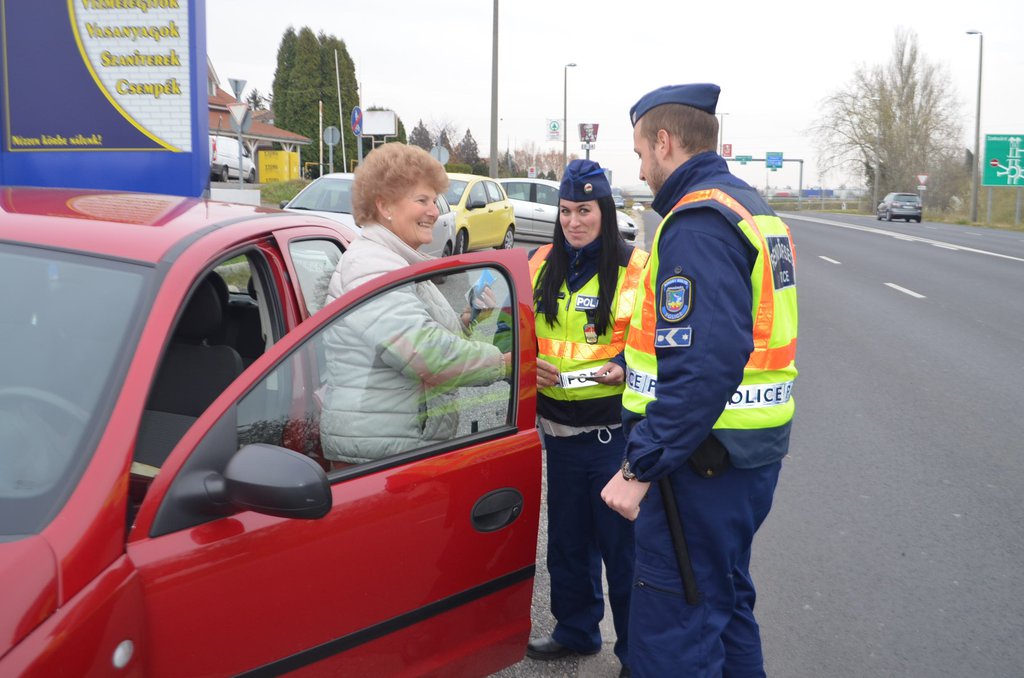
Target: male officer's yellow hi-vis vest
{"type": "Point", "coordinates": [763, 399]}
{"type": "Point", "coordinates": [565, 344]}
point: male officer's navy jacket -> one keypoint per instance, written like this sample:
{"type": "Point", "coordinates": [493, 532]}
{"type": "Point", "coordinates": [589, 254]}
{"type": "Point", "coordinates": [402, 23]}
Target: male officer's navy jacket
{"type": "Point", "coordinates": [712, 343]}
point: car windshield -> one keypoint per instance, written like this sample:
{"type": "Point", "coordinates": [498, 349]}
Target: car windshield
{"type": "Point", "coordinates": [67, 323]}
{"type": "Point", "coordinates": [455, 190]}
{"type": "Point", "coordinates": [326, 194]}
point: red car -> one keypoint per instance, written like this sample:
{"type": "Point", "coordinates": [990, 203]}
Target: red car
{"type": "Point", "coordinates": [165, 505]}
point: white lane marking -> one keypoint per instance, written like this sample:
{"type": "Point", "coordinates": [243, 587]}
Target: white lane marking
{"type": "Point", "coordinates": [831, 261]}
{"type": "Point", "coordinates": [945, 246]}
{"type": "Point", "coordinates": [905, 290]}
{"type": "Point", "coordinates": [879, 231]}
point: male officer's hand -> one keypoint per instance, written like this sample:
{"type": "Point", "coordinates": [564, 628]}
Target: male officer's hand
{"type": "Point", "coordinates": [609, 373]}
{"type": "Point", "coordinates": [624, 496]}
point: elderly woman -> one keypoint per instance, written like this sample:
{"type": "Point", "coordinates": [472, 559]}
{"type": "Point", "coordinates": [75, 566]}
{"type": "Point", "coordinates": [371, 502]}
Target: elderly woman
{"type": "Point", "coordinates": [394, 362]}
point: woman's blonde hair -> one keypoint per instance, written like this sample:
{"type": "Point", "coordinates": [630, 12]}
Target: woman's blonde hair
{"type": "Point", "coordinates": [389, 173]}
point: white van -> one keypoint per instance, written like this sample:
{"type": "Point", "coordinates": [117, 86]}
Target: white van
{"type": "Point", "coordinates": [224, 153]}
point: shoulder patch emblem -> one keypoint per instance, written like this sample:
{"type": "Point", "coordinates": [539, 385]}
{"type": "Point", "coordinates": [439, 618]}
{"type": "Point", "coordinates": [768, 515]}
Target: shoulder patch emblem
{"type": "Point", "coordinates": [675, 298]}
{"type": "Point", "coordinates": [673, 337]}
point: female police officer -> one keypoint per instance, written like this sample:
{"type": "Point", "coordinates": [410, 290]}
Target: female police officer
{"type": "Point", "coordinates": [584, 286]}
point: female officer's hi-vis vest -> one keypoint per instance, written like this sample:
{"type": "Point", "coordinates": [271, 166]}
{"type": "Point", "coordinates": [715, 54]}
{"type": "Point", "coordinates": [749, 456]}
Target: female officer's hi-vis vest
{"type": "Point", "coordinates": [565, 344]}
{"type": "Point", "coordinates": [763, 399]}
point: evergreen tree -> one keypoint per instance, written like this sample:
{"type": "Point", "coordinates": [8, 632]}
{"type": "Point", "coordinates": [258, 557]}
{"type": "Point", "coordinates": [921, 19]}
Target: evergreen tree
{"type": "Point", "coordinates": [256, 101]}
{"type": "Point", "coordinates": [282, 77]}
{"type": "Point", "coordinates": [467, 151]}
{"type": "Point", "coordinates": [303, 91]}
{"type": "Point", "coordinates": [421, 137]}
{"type": "Point", "coordinates": [445, 142]}
{"type": "Point", "coordinates": [304, 78]}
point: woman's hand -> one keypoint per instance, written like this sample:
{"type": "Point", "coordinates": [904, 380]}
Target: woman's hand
{"type": "Point", "coordinates": [485, 301]}
{"type": "Point", "coordinates": [480, 306]}
{"type": "Point", "coordinates": [547, 374]}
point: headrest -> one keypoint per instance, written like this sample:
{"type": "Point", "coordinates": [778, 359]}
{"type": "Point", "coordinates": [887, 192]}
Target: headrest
{"type": "Point", "coordinates": [204, 313]}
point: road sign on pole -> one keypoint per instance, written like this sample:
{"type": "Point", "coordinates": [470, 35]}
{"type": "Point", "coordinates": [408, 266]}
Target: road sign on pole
{"type": "Point", "coordinates": [357, 129]}
{"type": "Point", "coordinates": [237, 110]}
{"type": "Point", "coordinates": [773, 160]}
{"type": "Point", "coordinates": [726, 150]}
{"type": "Point", "coordinates": [332, 135]}
{"type": "Point", "coordinates": [237, 86]}
{"type": "Point", "coordinates": [357, 121]}
{"type": "Point", "coordinates": [922, 179]}
{"type": "Point", "coordinates": [554, 129]}
{"type": "Point", "coordinates": [744, 159]}
{"type": "Point", "coordinates": [1004, 154]}
{"type": "Point", "coordinates": [440, 154]}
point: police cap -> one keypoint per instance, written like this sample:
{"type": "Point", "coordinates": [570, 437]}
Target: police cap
{"type": "Point", "coordinates": [584, 180]}
{"type": "Point", "coordinates": [702, 96]}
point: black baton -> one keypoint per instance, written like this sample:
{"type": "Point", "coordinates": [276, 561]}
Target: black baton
{"type": "Point", "coordinates": [675, 528]}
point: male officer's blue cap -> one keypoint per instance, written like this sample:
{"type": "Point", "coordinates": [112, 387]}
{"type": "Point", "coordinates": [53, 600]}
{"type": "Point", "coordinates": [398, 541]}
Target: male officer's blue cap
{"type": "Point", "coordinates": [584, 180]}
{"type": "Point", "coordinates": [702, 96]}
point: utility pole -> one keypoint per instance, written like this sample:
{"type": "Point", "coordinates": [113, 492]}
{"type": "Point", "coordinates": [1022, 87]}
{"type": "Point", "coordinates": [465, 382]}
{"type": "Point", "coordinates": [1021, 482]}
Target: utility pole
{"type": "Point", "coordinates": [494, 95]}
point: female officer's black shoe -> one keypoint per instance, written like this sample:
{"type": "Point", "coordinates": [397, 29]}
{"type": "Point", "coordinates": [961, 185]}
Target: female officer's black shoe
{"type": "Point", "coordinates": [547, 648]}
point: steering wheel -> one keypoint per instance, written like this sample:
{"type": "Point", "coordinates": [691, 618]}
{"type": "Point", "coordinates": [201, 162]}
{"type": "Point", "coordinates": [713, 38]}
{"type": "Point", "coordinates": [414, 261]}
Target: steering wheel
{"type": "Point", "coordinates": [47, 398]}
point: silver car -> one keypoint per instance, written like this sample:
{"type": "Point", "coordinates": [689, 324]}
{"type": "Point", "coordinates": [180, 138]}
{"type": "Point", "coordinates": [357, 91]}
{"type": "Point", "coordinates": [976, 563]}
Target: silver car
{"type": "Point", "coordinates": [331, 196]}
{"type": "Point", "coordinates": [535, 202]}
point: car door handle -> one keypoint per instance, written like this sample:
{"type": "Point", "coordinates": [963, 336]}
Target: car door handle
{"type": "Point", "coordinates": [497, 509]}
{"type": "Point", "coordinates": [538, 209]}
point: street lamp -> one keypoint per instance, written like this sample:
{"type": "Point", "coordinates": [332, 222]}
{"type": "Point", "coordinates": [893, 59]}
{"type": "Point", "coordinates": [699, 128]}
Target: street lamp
{"type": "Point", "coordinates": [977, 131]}
{"type": "Point", "coordinates": [494, 94]}
{"type": "Point", "coordinates": [565, 116]}
{"type": "Point", "coordinates": [878, 150]}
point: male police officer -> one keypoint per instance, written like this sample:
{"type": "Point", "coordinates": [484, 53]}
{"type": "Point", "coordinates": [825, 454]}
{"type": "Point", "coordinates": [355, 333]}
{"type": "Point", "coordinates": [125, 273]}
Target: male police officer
{"type": "Point", "coordinates": [710, 358]}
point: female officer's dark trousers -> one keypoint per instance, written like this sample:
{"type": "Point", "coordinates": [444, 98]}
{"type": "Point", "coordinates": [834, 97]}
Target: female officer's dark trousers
{"type": "Point", "coordinates": [582, 531]}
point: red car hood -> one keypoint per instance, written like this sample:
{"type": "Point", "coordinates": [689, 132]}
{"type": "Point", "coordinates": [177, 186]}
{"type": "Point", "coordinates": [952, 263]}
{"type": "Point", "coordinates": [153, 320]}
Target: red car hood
{"type": "Point", "coordinates": [28, 588]}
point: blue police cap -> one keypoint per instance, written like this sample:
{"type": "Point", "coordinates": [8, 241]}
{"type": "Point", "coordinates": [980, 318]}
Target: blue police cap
{"type": "Point", "coordinates": [584, 180]}
{"type": "Point", "coordinates": [702, 96]}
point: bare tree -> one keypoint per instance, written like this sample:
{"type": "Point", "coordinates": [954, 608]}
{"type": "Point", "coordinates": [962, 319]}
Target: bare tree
{"type": "Point", "coordinates": [442, 133]}
{"type": "Point", "coordinates": [905, 116]}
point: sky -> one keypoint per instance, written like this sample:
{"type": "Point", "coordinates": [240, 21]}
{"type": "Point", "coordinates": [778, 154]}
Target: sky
{"type": "Point", "coordinates": [775, 62]}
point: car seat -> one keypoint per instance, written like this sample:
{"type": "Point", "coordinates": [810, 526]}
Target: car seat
{"type": "Point", "coordinates": [193, 373]}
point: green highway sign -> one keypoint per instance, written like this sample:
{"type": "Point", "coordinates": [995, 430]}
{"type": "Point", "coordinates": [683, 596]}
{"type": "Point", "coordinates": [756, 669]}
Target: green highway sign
{"type": "Point", "coordinates": [1004, 155]}
{"type": "Point", "coordinates": [773, 160]}
{"type": "Point", "coordinates": [744, 159]}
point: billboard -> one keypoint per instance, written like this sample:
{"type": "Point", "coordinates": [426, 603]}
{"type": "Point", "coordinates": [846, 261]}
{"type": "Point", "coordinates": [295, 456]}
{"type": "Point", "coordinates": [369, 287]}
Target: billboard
{"type": "Point", "coordinates": [380, 124]}
{"type": "Point", "coordinates": [104, 94]}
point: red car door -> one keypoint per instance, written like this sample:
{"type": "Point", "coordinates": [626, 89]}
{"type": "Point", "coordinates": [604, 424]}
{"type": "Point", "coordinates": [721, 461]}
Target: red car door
{"type": "Point", "coordinates": [423, 557]}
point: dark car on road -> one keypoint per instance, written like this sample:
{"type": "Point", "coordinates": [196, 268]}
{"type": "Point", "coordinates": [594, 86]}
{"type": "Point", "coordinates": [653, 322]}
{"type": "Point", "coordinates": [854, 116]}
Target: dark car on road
{"type": "Point", "coordinates": [905, 206]}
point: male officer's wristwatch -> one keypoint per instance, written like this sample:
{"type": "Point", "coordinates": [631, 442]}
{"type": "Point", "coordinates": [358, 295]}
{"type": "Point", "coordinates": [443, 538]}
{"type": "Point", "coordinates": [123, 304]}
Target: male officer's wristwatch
{"type": "Point", "coordinates": [626, 473]}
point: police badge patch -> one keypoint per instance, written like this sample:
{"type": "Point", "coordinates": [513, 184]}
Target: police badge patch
{"type": "Point", "coordinates": [675, 298]}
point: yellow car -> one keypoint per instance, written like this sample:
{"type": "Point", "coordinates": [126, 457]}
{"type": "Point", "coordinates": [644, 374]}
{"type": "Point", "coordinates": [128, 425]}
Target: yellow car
{"type": "Point", "coordinates": [483, 213]}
